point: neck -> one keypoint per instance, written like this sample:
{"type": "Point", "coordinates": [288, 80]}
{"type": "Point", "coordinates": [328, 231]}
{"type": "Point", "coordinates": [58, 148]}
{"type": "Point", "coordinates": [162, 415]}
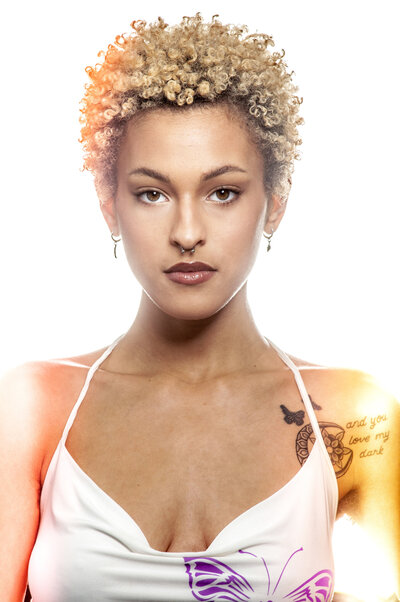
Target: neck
{"type": "Point", "coordinates": [194, 350]}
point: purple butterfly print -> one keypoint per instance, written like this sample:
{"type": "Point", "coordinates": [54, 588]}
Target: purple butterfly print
{"type": "Point", "coordinates": [212, 580]}
{"type": "Point", "coordinates": [318, 588]}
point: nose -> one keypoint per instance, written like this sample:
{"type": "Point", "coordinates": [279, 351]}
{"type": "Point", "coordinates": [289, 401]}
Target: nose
{"type": "Point", "coordinates": [188, 225]}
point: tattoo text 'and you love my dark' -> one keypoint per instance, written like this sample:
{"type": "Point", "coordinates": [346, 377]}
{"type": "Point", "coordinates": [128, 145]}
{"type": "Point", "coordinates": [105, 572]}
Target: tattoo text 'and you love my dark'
{"type": "Point", "coordinates": [370, 443]}
{"type": "Point", "coordinates": [373, 438]}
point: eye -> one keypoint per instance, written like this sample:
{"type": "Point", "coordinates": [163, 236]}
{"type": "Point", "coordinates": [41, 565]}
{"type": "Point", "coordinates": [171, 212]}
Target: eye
{"type": "Point", "coordinates": [224, 193]}
{"type": "Point", "coordinates": [151, 196]}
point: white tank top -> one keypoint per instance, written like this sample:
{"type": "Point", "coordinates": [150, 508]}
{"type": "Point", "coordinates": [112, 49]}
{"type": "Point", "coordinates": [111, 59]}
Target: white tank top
{"type": "Point", "coordinates": [89, 549]}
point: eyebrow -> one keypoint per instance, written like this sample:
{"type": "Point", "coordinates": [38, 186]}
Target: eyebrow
{"type": "Point", "coordinates": [146, 171]}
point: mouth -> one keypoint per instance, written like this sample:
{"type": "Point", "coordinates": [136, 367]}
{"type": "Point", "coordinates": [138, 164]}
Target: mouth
{"type": "Point", "coordinates": [194, 266]}
{"type": "Point", "coordinates": [195, 272]}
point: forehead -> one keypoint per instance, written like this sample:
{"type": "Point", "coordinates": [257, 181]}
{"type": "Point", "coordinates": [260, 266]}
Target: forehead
{"type": "Point", "coordinates": [196, 134]}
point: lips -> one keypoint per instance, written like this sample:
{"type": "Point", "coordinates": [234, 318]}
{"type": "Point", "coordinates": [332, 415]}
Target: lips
{"type": "Point", "coordinates": [195, 266]}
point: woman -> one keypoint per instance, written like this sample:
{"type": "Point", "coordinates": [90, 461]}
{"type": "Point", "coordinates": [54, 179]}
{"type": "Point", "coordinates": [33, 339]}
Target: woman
{"type": "Point", "coordinates": [191, 458]}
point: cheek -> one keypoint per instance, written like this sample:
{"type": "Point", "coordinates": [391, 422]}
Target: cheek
{"type": "Point", "coordinates": [140, 245]}
{"type": "Point", "coordinates": [242, 237]}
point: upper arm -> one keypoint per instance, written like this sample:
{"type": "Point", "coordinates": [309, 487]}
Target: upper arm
{"type": "Point", "coordinates": [21, 453]}
{"type": "Point", "coordinates": [376, 506]}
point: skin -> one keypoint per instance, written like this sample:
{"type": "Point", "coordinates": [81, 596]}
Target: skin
{"type": "Point", "coordinates": [192, 332]}
{"type": "Point", "coordinates": [191, 368]}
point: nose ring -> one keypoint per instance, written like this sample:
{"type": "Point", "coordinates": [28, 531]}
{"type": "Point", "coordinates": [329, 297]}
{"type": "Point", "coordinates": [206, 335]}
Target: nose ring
{"type": "Point", "coordinates": [183, 250]}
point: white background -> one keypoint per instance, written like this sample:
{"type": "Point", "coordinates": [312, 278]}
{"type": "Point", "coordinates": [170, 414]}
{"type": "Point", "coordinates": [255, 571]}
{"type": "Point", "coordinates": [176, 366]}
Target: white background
{"type": "Point", "coordinates": [328, 289]}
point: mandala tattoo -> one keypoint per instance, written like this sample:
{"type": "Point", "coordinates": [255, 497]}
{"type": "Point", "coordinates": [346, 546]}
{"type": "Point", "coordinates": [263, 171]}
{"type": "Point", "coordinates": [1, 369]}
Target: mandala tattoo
{"type": "Point", "coordinates": [332, 435]}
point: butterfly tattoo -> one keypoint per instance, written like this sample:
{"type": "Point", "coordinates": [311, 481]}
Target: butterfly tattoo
{"type": "Point", "coordinates": [290, 417]}
{"type": "Point", "coordinates": [314, 404]}
{"type": "Point", "coordinates": [211, 580]}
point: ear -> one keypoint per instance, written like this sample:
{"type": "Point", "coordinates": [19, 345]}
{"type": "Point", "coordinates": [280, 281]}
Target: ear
{"type": "Point", "coordinates": [108, 210]}
{"type": "Point", "coordinates": [276, 211]}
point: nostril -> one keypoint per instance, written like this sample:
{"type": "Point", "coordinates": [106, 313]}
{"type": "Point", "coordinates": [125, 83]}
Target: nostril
{"type": "Point", "coordinates": [182, 249]}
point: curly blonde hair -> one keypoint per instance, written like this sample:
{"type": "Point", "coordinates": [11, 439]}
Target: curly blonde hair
{"type": "Point", "coordinates": [178, 67]}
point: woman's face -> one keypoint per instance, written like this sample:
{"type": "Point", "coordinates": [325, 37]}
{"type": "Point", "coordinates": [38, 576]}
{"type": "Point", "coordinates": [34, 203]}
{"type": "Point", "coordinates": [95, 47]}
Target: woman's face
{"type": "Point", "coordinates": [189, 178]}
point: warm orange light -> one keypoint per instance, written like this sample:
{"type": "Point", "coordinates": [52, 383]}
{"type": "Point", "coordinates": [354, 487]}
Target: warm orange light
{"type": "Point", "coordinates": [361, 569]}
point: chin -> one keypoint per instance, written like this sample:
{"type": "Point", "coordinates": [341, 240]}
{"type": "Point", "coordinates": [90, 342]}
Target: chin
{"type": "Point", "coordinates": [198, 309]}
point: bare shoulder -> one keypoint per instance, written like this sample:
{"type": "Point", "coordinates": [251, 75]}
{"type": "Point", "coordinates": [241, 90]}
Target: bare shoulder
{"type": "Point", "coordinates": [84, 360]}
{"type": "Point", "coordinates": [29, 393]}
{"type": "Point", "coordinates": [60, 384]}
{"type": "Point", "coordinates": [354, 396]}
{"type": "Point", "coordinates": [359, 402]}
{"type": "Point", "coordinates": [31, 399]}
{"type": "Point", "coordinates": [21, 401]}
{"type": "Point", "coordinates": [36, 398]}
{"type": "Point", "coordinates": [354, 408]}
{"type": "Point", "coordinates": [64, 374]}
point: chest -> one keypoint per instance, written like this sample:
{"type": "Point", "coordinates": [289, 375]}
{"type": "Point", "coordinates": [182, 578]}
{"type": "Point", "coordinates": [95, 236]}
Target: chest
{"type": "Point", "coordinates": [184, 461]}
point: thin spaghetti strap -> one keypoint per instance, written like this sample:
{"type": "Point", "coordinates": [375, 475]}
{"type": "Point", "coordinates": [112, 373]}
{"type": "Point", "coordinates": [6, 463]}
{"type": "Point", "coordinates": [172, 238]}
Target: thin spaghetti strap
{"type": "Point", "coordinates": [303, 392]}
{"type": "Point", "coordinates": [82, 394]}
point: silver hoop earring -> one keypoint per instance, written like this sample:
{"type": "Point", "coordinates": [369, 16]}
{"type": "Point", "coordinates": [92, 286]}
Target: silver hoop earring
{"type": "Point", "coordinates": [116, 240]}
{"type": "Point", "coordinates": [268, 237]}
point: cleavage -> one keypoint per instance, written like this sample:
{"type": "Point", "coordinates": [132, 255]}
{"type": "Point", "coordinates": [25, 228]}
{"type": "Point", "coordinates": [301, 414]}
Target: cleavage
{"type": "Point", "coordinates": [182, 474]}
